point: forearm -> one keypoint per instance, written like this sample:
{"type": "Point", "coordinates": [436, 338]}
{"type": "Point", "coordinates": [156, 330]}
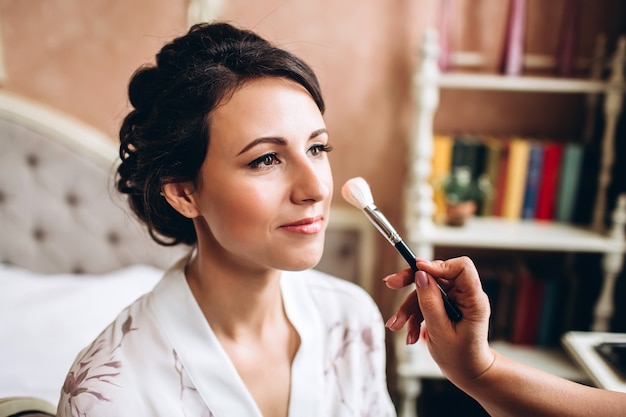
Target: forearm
{"type": "Point", "coordinates": [509, 388]}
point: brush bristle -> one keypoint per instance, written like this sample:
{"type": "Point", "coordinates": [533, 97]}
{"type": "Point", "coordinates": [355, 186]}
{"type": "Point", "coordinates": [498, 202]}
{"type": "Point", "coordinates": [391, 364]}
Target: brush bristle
{"type": "Point", "coordinates": [357, 192]}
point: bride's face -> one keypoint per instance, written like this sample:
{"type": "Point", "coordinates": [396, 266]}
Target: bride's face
{"type": "Point", "coordinates": [265, 186]}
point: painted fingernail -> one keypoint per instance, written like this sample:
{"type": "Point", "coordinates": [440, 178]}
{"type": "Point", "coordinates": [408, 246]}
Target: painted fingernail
{"type": "Point", "coordinates": [391, 321]}
{"type": "Point", "coordinates": [421, 279]}
{"type": "Point", "coordinates": [411, 337]}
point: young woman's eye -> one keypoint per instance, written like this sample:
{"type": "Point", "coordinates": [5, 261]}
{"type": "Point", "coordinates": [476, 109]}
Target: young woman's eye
{"type": "Point", "coordinates": [319, 148]}
{"type": "Point", "coordinates": [265, 160]}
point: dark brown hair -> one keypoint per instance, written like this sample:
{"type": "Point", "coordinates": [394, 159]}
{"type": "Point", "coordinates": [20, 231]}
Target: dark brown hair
{"type": "Point", "coordinates": [164, 139]}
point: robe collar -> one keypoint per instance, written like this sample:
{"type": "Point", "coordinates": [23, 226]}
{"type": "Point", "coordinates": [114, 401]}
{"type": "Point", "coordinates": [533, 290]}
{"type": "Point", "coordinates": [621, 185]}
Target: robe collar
{"type": "Point", "coordinates": [208, 365]}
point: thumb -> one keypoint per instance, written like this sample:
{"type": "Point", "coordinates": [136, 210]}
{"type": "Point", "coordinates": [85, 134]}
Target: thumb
{"type": "Point", "coordinates": [429, 299]}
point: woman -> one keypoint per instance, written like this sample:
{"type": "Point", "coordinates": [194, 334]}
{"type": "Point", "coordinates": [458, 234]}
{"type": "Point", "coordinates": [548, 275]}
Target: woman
{"type": "Point", "coordinates": [502, 386]}
{"type": "Point", "coordinates": [226, 151]}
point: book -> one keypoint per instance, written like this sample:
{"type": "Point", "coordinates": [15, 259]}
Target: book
{"type": "Point", "coordinates": [549, 181]}
{"type": "Point", "coordinates": [493, 150]}
{"type": "Point", "coordinates": [528, 299]}
{"type": "Point", "coordinates": [568, 34]}
{"type": "Point", "coordinates": [533, 177]}
{"type": "Point", "coordinates": [469, 151]}
{"type": "Point", "coordinates": [503, 307]}
{"type": "Point", "coordinates": [569, 174]}
{"type": "Point", "coordinates": [512, 60]}
{"type": "Point", "coordinates": [444, 29]}
{"type": "Point", "coordinates": [500, 185]}
{"type": "Point", "coordinates": [441, 167]}
{"type": "Point", "coordinates": [468, 161]}
{"type": "Point", "coordinates": [519, 152]}
{"type": "Point", "coordinates": [556, 277]}
{"type": "Point", "coordinates": [492, 286]}
{"type": "Point", "coordinates": [552, 308]}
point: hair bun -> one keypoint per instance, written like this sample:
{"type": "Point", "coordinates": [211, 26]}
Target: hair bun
{"type": "Point", "coordinates": [144, 88]}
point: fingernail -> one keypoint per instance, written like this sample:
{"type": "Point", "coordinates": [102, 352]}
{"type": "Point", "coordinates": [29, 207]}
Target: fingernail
{"type": "Point", "coordinates": [391, 321]}
{"type": "Point", "coordinates": [411, 337]}
{"type": "Point", "coordinates": [421, 279]}
{"type": "Point", "coordinates": [387, 277]}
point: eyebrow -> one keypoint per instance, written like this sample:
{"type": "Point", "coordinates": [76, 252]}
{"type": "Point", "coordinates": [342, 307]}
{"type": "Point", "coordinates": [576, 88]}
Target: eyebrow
{"type": "Point", "coordinates": [277, 140]}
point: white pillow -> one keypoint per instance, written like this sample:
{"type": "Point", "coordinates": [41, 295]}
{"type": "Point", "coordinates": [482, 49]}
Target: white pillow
{"type": "Point", "coordinates": [45, 320]}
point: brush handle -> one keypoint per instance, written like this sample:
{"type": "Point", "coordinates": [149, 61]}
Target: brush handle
{"type": "Point", "coordinates": [453, 312]}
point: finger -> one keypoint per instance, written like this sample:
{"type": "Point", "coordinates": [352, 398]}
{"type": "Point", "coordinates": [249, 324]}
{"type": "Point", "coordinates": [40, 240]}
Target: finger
{"type": "Point", "coordinates": [465, 290]}
{"type": "Point", "coordinates": [451, 270]}
{"type": "Point", "coordinates": [408, 309]}
{"type": "Point", "coordinates": [400, 279]}
{"type": "Point", "coordinates": [414, 329]}
{"type": "Point", "coordinates": [430, 302]}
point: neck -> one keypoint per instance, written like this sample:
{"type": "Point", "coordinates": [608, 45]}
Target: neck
{"type": "Point", "coordinates": [237, 301]}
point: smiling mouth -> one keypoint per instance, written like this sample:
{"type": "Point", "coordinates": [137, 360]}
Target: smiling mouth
{"type": "Point", "coordinates": [307, 226]}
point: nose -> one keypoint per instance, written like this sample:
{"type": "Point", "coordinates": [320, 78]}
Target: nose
{"type": "Point", "coordinates": [312, 182]}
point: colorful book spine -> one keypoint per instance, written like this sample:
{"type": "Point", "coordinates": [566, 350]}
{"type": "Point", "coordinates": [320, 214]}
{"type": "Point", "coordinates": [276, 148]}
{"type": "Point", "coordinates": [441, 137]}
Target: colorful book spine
{"type": "Point", "coordinates": [565, 64]}
{"type": "Point", "coordinates": [469, 151]}
{"type": "Point", "coordinates": [519, 152]}
{"type": "Point", "coordinates": [549, 181]}
{"type": "Point", "coordinates": [533, 177]}
{"type": "Point", "coordinates": [528, 302]}
{"type": "Point", "coordinates": [441, 168]}
{"type": "Point", "coordinates": [552, 307]}
{"type": "Point", "coordinates": [513, 55]}
{"type": "Point", "coordinates": [569, 176]}
{"type": "Point", "coordinates": [493, 151]}
{"type": "Point", "coordinates": [500, 186]}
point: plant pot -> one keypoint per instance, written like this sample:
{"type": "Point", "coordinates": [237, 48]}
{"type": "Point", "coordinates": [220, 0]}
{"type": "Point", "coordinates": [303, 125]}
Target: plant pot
{"type": "Point", "coordinates": [457, 214]}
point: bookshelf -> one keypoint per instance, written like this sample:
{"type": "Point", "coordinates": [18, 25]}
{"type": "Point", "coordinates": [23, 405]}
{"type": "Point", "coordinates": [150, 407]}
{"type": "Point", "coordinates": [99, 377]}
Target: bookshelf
{"type": "Point", "coordinates": [414, 362]}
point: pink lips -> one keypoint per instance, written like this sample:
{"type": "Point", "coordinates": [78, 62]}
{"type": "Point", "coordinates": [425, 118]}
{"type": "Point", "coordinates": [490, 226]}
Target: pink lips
{"type": "Point", "coordinates": [308, 226]}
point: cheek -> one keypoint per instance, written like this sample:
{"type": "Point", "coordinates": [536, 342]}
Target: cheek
{"type": "Point", "coordinates": [238, 213]}
{"type": "Point", "coordinates": [326, 177]}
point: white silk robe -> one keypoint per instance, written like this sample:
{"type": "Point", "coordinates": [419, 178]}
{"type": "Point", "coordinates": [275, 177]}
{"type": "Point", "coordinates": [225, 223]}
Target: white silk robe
{"type": "Point", "coordinates": [161, 358]}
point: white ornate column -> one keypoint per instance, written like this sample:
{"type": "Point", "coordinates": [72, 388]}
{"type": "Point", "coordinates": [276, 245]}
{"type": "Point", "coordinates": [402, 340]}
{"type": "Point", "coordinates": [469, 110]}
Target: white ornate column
{"type": "Point", "coordinates": [612, 108]}
{"type": "Point", "coordinates": [419, 206]}
{"type": "Point", "coordinates": [411, 388]}
{"type": "Point", "coordinates": [612, 263]}
{"type": "Point", "coordinates": [595, 73]}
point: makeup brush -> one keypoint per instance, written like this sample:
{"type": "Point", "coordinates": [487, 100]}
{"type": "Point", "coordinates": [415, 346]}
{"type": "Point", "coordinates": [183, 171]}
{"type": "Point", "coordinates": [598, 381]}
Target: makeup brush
{"type": "Point", "coordinates": [356, 191]}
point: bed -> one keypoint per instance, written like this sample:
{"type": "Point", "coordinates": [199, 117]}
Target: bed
{"type": "Point", "coordinates": [72, 256]}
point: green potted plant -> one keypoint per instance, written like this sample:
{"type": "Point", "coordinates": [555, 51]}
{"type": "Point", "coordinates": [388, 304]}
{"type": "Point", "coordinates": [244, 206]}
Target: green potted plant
{"type": "Point", "coordinates": [463, 194]}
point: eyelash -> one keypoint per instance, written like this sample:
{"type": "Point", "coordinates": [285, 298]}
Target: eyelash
{"type": "Point", "coordinates": [322, 148]}
{"type": "Point", "coordinates": [260, 161]}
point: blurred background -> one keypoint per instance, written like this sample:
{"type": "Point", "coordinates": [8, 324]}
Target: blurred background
{"type": "Point", "coordinates": [78, 56]}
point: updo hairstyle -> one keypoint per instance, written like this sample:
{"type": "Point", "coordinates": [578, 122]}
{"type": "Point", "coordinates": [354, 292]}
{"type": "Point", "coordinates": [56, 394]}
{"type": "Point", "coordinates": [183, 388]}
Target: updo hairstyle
{"type": "Point", "coordinates": [164, 139]}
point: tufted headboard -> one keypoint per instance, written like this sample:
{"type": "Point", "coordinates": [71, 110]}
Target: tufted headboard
{"type": "Point", "coordinates": [58, 211]}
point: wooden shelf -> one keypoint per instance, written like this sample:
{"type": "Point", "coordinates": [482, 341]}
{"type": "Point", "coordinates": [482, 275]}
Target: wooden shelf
{"type": "Point", "coordinates": [520, 83]}
{"type": "Point", "coordinates": [500, 233]}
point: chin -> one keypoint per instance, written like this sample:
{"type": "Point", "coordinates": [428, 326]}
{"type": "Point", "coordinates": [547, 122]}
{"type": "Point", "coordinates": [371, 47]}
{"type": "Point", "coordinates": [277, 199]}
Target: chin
{"type": "Point", "coordinates": [303, 259]}
{"type": "Point", "coordinates": [302, 264]}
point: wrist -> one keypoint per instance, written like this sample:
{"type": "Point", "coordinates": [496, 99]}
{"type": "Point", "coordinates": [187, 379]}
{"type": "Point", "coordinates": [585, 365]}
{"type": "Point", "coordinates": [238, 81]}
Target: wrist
{"type": "Point", "coordinates": [474, 376]}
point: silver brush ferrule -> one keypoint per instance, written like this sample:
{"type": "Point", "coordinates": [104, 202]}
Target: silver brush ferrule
{"type": "Point", "coordinates": [379, 220]}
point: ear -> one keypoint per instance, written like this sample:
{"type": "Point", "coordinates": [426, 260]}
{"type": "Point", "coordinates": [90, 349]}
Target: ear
{"type": "Point", "coordinates": [181, 195]}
